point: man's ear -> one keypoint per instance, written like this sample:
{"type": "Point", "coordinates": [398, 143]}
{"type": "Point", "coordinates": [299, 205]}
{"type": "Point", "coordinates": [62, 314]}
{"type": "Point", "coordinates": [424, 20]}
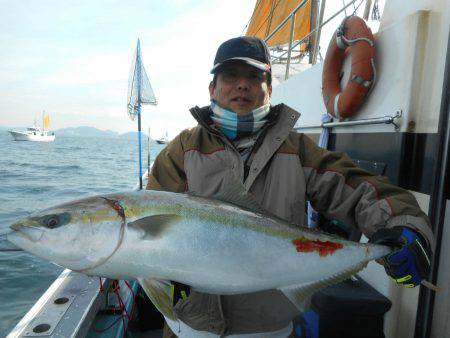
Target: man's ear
{"type": "Point", "coordinates": [211, 90]}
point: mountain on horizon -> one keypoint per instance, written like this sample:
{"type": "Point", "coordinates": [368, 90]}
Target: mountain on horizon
{"type": "Point", "coordinates": [85, 131]}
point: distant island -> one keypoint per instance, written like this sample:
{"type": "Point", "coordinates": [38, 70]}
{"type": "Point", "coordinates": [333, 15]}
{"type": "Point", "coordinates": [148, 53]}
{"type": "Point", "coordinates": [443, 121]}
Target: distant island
{"type": "Point", "coordinates": [85, 131]}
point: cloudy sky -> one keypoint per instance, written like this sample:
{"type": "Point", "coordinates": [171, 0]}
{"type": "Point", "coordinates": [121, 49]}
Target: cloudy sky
{"type": "Point", "coordinates": [72, 59]}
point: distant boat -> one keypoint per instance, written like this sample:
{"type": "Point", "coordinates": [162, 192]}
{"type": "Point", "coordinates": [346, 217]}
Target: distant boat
{"type": "Point", "coordinates": [35, 133]}
{"type": "Point", "coordinates": [163, 140]}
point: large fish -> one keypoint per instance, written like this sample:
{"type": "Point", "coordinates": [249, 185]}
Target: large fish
{"type": "Point", "coordinates": [213, 246]}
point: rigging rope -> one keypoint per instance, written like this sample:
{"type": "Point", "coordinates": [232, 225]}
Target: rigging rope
{"type": "Point", "coordinates": [376, 11]}
{"type": "Point", "coordinates": [122, 308]}
{"type": "Point", "coordinates": [259, 28]}
{"type": "Point", "coordinates": [357, 7]}
{"type": "Point", "coordinates": [253, 14]}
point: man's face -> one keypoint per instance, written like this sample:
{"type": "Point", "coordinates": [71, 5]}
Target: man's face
{"type": "Point", "coordinates": [240, 88]}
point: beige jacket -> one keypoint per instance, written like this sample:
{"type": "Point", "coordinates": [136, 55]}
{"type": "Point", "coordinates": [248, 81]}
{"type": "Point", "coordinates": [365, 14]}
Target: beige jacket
{"type": "Point", "coordinates": [287, 170]}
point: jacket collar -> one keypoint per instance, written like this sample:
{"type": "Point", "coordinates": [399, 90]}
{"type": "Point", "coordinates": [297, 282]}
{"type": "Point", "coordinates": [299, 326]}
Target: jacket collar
{"type": "Point", "coordinates": [272, 141]}
{"type": "Point", "coordinates": [281, 117]}
{"type": "Point", "coordinates": [281, 121]}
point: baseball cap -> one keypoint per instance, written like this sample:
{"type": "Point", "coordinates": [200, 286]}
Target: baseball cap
{"type": "Point", "coordinates": [250, 50]}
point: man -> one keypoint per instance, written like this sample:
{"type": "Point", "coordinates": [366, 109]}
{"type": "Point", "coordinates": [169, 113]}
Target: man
{"type": "Point", "coordinates": [240, 136]}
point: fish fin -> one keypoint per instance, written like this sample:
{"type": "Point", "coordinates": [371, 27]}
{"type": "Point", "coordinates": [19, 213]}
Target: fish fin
{"type": "Point", "coordinates": [161, 295]}
{"type": "Point", "coordinates": [298, 295]}
{"type": "Point", "coordinates": [234, 192]}
{"type": "Point", "coordinates": [154, 226]}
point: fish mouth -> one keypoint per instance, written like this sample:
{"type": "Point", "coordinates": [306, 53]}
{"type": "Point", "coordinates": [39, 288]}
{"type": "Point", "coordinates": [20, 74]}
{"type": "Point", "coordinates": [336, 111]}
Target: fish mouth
{"type": "Point", "coordinates": [34, 234]}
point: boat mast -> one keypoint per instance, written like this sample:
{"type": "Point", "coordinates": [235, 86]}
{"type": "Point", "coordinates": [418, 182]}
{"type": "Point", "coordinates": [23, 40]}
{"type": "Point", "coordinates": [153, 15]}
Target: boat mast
{"type": "Point", "coordinates": [139, 77]}
{"type": "Point", "coordinates": [140, 92]}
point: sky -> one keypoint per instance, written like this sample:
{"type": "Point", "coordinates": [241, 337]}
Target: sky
{"type": "Point", "coordinates": [73, 58]}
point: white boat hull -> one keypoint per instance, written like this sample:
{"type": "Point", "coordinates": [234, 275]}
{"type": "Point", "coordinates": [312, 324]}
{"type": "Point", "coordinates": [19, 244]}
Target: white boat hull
{"type": "Point", "coordinates": [42, 137]}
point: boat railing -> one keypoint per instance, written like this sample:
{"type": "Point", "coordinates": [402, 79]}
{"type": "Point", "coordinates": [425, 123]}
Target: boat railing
{"type": "Point", "coordinates": [387, 119]}
{"type": "Point", "coordinates": [314, 34]}
{"type": "Point", "coordinates": [66, 309]}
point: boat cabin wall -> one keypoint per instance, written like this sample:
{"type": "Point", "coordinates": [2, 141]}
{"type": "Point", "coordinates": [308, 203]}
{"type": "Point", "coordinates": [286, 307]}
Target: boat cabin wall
{"type": "Point", "coordinates": [395, 10]}
{"type": "Point", "coordinates": [411, 49]}
{"type": "Point", "coordinates": [410, 62]}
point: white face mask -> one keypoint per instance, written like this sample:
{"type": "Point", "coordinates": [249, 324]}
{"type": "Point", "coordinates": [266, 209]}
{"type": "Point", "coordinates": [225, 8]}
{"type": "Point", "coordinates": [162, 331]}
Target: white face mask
{"type": "Point", "coordinates": [237, 126]}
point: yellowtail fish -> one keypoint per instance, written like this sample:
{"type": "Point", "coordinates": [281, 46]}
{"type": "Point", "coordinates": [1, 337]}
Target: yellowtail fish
{"type": "Point", "coordinates": [213, 246]}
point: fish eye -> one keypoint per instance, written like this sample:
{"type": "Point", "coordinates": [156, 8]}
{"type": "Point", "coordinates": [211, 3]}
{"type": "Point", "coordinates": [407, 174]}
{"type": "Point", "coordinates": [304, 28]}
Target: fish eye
{"type": "Point", "coordinates": [52, 222]}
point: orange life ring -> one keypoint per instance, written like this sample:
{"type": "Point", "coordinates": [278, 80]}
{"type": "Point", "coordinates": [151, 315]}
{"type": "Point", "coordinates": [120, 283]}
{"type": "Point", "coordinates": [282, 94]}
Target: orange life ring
{"type": "Point", "coordinates": [354, 36]}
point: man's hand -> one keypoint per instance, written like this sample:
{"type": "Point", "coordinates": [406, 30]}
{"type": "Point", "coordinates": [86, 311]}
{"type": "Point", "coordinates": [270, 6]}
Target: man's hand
{"type": "Point", "coordinates": [410, 263]}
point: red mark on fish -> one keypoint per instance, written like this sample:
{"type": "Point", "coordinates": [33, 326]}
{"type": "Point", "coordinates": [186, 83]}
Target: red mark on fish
{"type": "Point", "coordinates": [303, 244]}
{"type": "Point", "coordinates": [116, 206]}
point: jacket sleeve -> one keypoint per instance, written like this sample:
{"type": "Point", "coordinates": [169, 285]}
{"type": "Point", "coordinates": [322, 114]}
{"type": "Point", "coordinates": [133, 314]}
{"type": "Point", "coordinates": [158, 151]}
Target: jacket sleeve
{"type": "Point", "coordinates": [340, 190]}
{"type": "Point", "coordinates": [168, 169]}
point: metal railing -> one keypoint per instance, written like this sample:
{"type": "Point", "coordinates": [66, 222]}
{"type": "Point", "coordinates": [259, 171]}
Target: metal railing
{"type": "Point", "coordinates": [376, 120]}
{"type": "Point", "coordinates": [291, 18]}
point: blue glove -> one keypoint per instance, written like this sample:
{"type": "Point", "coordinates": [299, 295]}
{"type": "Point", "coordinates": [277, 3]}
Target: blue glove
{"type": "Point", "coordinates": [410, 263]}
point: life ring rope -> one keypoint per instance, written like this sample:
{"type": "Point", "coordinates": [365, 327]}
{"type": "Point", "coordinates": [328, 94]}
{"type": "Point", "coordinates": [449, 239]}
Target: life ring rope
{"type": "Point", "coordinates": [335, 105]}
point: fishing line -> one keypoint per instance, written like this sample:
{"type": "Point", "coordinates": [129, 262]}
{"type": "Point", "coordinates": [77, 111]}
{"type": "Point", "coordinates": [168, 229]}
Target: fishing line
{"type": "Point", "coordinates": [119, 209]}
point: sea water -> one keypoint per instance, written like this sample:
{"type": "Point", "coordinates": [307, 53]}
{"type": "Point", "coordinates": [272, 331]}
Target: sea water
{"type": "Point", "coordinates": [36, 175]}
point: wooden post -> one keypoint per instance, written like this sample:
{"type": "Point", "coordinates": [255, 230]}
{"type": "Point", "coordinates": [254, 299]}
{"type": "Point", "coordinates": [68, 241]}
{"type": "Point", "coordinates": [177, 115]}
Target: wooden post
{"type": "Point", "coordinates": [314, 24]}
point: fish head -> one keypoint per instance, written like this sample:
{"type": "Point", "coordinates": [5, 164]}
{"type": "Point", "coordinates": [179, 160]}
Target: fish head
{"type": "Point", "coordinates": [77, 235]}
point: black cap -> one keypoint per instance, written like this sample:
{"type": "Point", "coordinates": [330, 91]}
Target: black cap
{"type": "Point", "coordinates": [250, 50]}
